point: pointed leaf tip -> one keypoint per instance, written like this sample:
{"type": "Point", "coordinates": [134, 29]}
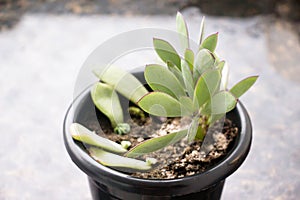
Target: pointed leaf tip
{"type": "Point", "coordinates": [183, 31]}
{"type": "Point", "coordinates": [210, 42]}
{"type": "Point", "coordinates": [113, 160]}
{"type": "Point", "coordinates": [161, 79]}
{"type": "Point", "coordinates": [166, 51]}
{"type": "Point", "coordinates": [107, 101]}
{"type": "Point", "coordinates": [84, 135]}
{"type": "Point", "coordinates": [156, 143]}
{"type": "Point", "coordinates": [243, 86]}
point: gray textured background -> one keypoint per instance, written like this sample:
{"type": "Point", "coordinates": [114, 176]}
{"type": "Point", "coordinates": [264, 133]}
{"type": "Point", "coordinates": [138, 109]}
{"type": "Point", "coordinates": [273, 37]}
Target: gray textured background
{"type": "Point", "coordinates": [39, 61]}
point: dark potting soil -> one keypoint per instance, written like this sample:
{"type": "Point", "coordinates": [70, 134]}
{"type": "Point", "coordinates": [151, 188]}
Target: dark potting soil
{"type": "Point", "coordinates": [182, 158]}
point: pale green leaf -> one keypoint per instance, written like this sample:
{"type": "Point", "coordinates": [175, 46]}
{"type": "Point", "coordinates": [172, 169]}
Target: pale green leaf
{"type": "Point", "coordinates": [159, 78]}
{"type": "Point", "coordinates": [203, 61]}
{"type": "Point", "coordinates": [202, 27]}
{"type": "Point", "coordinates": [192, 131]}
{"type": "Point", "coordinates": [166, 52]}
{"type": "Point", "coordinates": [206, 87]}
{"type": "Point", "coordinates": [241, 87]}
{"type": "Point", "coordinates": [113, 160]}
{"type": "Point", "coordinates": [182, 30]}
{"type": "Point", "coordinates": [220, 65]}
{"type": "Point", "coordinates": [189, 58]}
{"type": "Point", "coordinates": [107, 101]}
{"type": "Point", "coordinates": [224, 69]}
{"type": "Point", "coordinates": [201, 133]}
{"type": "Point", "coordinates": [86, 136]}
{"type": "Point", "coordinates": [210, 42]}
{"type": "Point", "coordinates": [215, 117]}
{"type": "Point", "coordinates": [160, 104]}
{"type": "Point", "coordinates": [187, 106]}
{"type": "Point", "coordinates": [187, 78]}
{"type": "Point", "coordinates": [156, 143]}
{"type": "Point", "coordinates": [176, 72]}
{"type": "Point", "coordinates": [220, 103]}
{"type": "Point", "coordinates": [123, 82]}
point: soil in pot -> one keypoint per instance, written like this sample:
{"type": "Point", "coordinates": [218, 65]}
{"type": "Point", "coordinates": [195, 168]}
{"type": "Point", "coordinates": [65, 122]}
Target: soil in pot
{"type": "Point", "coordinates": [175, 161]}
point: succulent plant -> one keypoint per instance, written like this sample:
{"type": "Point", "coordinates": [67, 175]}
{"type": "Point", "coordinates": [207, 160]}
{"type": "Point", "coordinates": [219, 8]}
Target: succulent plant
{"type": "Point", "coordinates": [106, 99]}
{"type": "Point", "coordinates": [193, 85]}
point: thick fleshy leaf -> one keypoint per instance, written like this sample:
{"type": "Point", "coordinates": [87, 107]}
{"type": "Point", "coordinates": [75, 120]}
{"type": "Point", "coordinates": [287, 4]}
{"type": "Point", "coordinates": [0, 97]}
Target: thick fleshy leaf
{"type": "Point", "coordinates": [182, 30]}
{"type": "Point", "coordinates": [187, 78]}
{"type": "Point", "coordinates": [213, 118]}
{"type": "Point", "coordinates": [86, 136]}
{"type": "Point", "coordinates": [187, 106]}
{"type": "Point", "coordinates": [202, 26]}
{"type": "Point", "coordinates": [192, 131]}
{"type": "Point", "coordinates": [124, 82]}
{"type": "Point", "coordinates": [206, 87]}
{"type": "Point", "coordinates": [217, 58]}
{"type": "Point", "coordinates": [189, 58]}
{"type": "Point", "coordinates": [241, 87]}
{"type": "Point", "coordinates": [203, 61]}
{"type": "Point", "coordinates": [155, 144]}
{"type": "Point", "coordinates": [210, 42]}
{"type": "Point", "coordinates": [220, 65]}
{"type": "Point", "coordinates": [220, 103]}
{"type": "Point", "coordinates": [166, 52]}
{"type": "Point", "coordinates": [113, 160]}
{"type": "Point", "coordinates": [107, 101]}
{"type": "Point", "coordinates": [224, 69]}
{"type": "Point", "coordinates": [161, 79]}
{"type": "Point", "coordinates": [160, 104]}
{"type": "Point", "coordinates": [176, 72]}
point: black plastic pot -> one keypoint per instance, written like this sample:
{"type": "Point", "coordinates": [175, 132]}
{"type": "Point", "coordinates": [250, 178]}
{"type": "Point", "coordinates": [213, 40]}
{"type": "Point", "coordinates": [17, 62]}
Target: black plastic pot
{"type": "Point", "coordinates": [107, 183]}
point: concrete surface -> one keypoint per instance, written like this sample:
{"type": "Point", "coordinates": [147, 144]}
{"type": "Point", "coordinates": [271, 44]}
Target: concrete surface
{"type": "Point", "coordinates": [39, 62]}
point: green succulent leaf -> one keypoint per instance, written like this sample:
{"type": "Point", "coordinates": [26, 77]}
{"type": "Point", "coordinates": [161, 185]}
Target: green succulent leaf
{"type": "Point", "coordinates": [161, 104]}
{"type": "Point", "coordinates": [123, 82]}
{"type": "Point", "coordinates": [220, 103]}
{"type": "Point", "coordinates": [176, 72]}
{"type": "Point", "coordinates": [161, 79]}
{"type": "Point", "coordinates": [210, 42]}
{"type": "Point", "coordinates": [215, 117]}
{"type": "Point", "coordinates": [187, 106]}
{"type": "Point", "coordinates": [156, 143]}
{"type": "Point", "coordinates": [113, 160]}
{"type": "Point", "coordinates": [166, 52]}
{"type": "Point", "coordinates": [107, 101]}
{"type": "Point", "coordinates": [192, 131]}
{"type": "Point", "coordinates": [206, 87]}
{"type": "Point", "coordinates": [224, 69]}
{"type": "Point", "coordinates": [241, 87]}
{"type": "Point", "coordinates": [220, 65]}
{"type": "Point", "coordinates": [189, 58]}
{"type": "Point", "coordinates": [182, 30]}
{"type": "Point", "coordinates": [86, 136]}
{"type": "Point", "coordinates": [203, 61]}
{"type": "Point", "coordinates": [187, 78]}
{"type": "Point", "coordinates": [202, 26]}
